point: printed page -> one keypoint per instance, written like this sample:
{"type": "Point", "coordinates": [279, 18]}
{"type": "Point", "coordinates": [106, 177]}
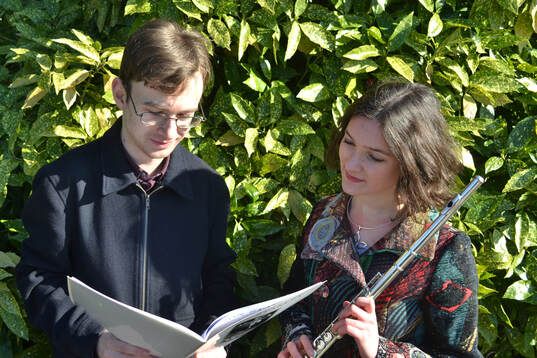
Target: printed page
{"type": "Point", "coordinates": [234, 324]}
{"type": "Point", "coordinates": [162, 337]}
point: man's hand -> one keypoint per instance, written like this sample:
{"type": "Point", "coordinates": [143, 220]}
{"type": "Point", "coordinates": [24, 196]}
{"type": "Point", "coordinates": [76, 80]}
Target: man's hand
{"type": "Point", "coordinates": [218, 352]}
{"type": "Point", "coordinates": [109, 346]}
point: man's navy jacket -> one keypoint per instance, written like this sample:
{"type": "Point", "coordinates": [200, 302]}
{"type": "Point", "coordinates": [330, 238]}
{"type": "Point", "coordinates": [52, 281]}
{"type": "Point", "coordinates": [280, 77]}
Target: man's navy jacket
{"type": "Point", "coordinates": [164, 252]}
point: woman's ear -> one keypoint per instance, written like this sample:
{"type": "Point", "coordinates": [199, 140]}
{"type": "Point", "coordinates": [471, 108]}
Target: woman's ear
{"type": "Point", "coordinates": [120, 93]}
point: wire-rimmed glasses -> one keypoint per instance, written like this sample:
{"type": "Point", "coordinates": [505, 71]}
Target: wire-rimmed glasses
{"type": "Point", "coordinates": [183, 122]}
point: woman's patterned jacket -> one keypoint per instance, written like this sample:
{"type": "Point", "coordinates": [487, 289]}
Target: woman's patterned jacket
{"type": "Point", "coordinates": [429, 310]}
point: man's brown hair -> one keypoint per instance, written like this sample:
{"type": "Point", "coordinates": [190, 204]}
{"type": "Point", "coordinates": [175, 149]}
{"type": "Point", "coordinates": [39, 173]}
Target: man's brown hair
{"type": "Point", "coordinates": [417, 135]}
{"type": "Point", "coordinates": [163, 55]}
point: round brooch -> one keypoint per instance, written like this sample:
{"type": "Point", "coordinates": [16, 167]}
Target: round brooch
{"type": "Point", "coordinates": [322, 232]}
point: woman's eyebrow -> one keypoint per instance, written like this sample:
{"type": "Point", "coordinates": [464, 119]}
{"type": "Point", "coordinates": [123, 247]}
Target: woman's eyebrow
{"type": "Point", "coordinates": [378, 150]}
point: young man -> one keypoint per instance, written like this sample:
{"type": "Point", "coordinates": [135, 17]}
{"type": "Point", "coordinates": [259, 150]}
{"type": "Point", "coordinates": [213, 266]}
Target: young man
{"type": "Point", "coordinates": [133, 214]}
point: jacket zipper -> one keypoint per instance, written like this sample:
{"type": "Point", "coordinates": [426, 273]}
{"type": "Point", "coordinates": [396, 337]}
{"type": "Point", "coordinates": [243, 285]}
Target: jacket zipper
{"type": "Point", "coordinates": [143, 252]}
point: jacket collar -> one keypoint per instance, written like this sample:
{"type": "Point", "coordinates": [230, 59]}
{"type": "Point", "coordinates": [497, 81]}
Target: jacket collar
{"type": "Point", "coordinates": [118, 174]}
{"type": "Point", "coordinates": [329, 237]}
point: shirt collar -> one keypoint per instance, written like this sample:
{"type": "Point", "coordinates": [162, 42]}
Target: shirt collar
{"type": "Point", "coordinates": [118, 172]}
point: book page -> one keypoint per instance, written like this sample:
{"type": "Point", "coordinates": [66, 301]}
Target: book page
{"type": "Point", "coordinates": [234, 324]}
{"type": "Point", "coordinates": [162, 337]}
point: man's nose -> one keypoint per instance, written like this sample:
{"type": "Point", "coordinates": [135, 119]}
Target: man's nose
{"type": "Point", "coordinates": [170, 127]}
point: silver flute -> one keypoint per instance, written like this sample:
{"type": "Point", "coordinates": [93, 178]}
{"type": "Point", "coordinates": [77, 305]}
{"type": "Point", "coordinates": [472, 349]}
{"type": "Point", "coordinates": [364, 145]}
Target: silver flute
{"type": "Point", "coordinates": [379, 283]}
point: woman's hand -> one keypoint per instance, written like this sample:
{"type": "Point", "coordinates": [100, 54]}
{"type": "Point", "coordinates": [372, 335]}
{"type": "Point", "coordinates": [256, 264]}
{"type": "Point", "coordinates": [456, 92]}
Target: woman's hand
{"type": "Point", "coordinates": [108, 346]}
{"type": "Point", "coordinates": [298, 348]}
{"type": "Point", "coordinates": [359, 321]}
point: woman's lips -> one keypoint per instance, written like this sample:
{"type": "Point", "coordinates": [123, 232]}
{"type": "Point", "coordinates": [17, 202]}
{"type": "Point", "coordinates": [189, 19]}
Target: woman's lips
{"type": "Point", "coordinates": [353, 179]}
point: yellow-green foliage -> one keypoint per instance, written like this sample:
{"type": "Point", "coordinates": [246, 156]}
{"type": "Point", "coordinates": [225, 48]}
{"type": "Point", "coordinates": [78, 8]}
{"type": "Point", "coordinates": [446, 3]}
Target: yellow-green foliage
{"type": "Point", "coordinates": [284, 73]}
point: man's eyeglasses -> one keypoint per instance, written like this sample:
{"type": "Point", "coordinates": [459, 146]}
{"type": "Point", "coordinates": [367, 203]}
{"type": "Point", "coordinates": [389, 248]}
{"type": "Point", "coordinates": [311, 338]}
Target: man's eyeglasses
{"type": "Point", "coordinates": [161, 119]}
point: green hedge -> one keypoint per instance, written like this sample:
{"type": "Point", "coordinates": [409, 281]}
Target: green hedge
{"type": "Point", "coordinates": [284, 73]}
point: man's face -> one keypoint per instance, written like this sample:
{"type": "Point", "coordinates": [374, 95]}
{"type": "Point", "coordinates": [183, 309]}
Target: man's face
{"type": "Point", "coordinates": [148, 145]}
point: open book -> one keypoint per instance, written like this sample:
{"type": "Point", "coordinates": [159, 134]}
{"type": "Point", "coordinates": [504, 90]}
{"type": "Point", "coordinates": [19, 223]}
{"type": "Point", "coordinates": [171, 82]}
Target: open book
{"type": "Point", "coordinates": [167, 339]}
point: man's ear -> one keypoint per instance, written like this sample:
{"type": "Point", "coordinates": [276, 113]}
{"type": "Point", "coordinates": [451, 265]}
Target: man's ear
{"type": "Point", "coordinates": [120, 93]}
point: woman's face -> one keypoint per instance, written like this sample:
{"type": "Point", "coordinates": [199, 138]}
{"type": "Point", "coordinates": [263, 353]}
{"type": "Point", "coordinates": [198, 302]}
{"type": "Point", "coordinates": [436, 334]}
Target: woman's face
{"type": "Point", "coordinates": [368, 168]}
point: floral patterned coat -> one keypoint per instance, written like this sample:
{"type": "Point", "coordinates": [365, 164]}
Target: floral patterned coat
{"type": "Point", "coordinates": [429, 310]}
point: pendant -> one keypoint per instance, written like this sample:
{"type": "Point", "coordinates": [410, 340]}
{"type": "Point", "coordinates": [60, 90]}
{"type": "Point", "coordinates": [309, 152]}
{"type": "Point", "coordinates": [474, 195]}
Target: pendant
{"type": "Point", "coordinates": [359, 246]}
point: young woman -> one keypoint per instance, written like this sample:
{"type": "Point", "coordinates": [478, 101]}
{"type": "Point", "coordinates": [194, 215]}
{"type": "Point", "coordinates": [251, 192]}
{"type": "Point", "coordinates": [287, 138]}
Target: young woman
{"type": "Point", "coordinates": [397, 166]}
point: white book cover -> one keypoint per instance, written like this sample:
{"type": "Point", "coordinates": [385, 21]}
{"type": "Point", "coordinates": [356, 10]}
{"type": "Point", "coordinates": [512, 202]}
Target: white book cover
{"type": "Point", "coordinates": [167, 339]}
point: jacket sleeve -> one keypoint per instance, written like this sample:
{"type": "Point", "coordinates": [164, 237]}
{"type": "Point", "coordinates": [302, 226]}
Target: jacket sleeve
{"type": "Point", "coordinates": [450, 307]}
{"type": "Point", "coordinates": [296, 320]}
{"type": "Point", "coordinates": [41, 274]}
{"type": "Point", "coordinates": [218, 276]}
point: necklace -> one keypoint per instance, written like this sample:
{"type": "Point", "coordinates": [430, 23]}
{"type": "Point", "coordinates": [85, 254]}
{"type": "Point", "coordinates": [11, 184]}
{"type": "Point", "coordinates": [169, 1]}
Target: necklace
{"type": "Point", "coordinates": [360, 246]}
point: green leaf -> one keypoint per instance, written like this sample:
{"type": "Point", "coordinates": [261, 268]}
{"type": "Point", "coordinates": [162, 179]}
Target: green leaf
{"type": "Point", "coordinates": [435, 25]}
{"type": "Point", "coordinates": [219, 33]}
{"type": "Point", "coordinates": [285, 262]}
{"type": "Point", "coordinates": [74, 79]}
{"type": "Point", "coordinates": [529, 83]}
{"type": "Point", "coordinates": [455, 68]}
{"type": "Point", "coordinates": [533, 12]}
{"type": "Point", "coordinates": [10, 313]}
{"type": "Point", "coordinates": [69, 132]}
{"type": "Point", "coordinates": [244, 108]}
{"type": "Point", "coordinates": [24, 80]}
{"type": "Point", "coordinates": [279, 200]}
{"type": "Point", "coordinates": [522, 290]}
{"type": "Point", "coordinates": [255, 82]}
{"type": "Point", "coordinates": [523, 28]}
{"type": "Point", "coordinates": [244, 265]}
{"type": "Point", "coordinates": [188, 8]}
{"type": "Point", "coordinates": [522, 134]}
{"type": "Point", "coordinates": [374, 33]}
{"type": "Point", "coordinates": [401, 32]}
{"type": "Point", "coordinates": [243, 38]}
{"type": "Point", "coordinates": [469, 106]}
{"type": "Point", "coordinates": [88, 51]}
{"type": "Point", "coordinates": [269, 5]}
{"type": "Point", "coordinates": [33, 97]}
{"type": "Point", "coordinates": [270, 163]}
{"type": "Point", "coordinates": [363, 66]}
{"type": "Point", "coordinates": [314, 92]}
{"type": "Point", "coordinates": [467, 159]}
{"type": "Point", "coordinates": [44, 62]}
{"type": "Point", "coordinates": [293, 40]}
{"type": "Point", "coordinates": [378, 6]}
{"type": "Point", "coordinates": [427, 4]}
{"type": "Point", "coordinates": [229, 139]}
{"type": "Point", "coordinates": [235, 123]}
{"type": "Point", "coordinates": [493, 164]}
{"type": "Point", "coordinates": [4, 274]}
{"type": "Point", "coordinates": [204, 5]}
{"type": "Point", "coordinates": [69, 97]}
{"type": "Point", "coordinates": [318, 34]}
{"type": "Point", "coordinates": [362, 52]}
{"type": "Point", "coordinates": [494, 82]}
{"type": "Point", "coordinates": [137, 7]}
{"type": "Point", "coordinates": [300, 7]}
{"type": "Point", "coordinates": [250, 140]}
{"type": "Point", "coordinates": [520, 180]}
{"type": "Point", "coordinates": [401, 67]}
{"type": "Point", "coordinates": [294, 127]}
{"type": "Point", "coordinates": [6, 167]}
{"type": "Point", "coordinates": [274, 146]}
{"type": "Point", "coordinates": [300, 207]}
{"type": "Point", "coordinates": [88, 120]}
